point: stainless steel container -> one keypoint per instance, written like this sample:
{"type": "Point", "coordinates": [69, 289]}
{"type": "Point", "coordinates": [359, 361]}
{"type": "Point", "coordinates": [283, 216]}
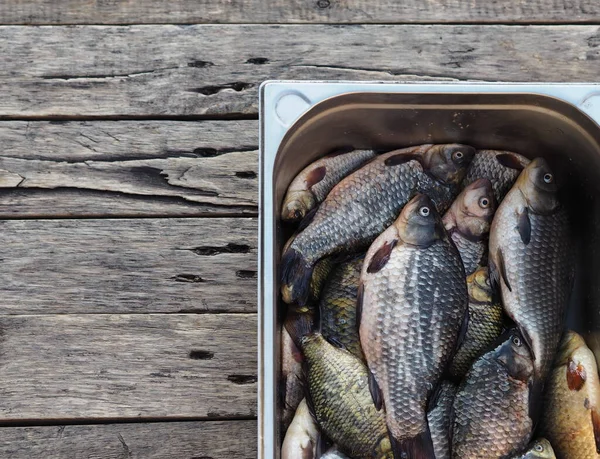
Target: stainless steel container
{"type": "Point", "coordinates": [301, 121]}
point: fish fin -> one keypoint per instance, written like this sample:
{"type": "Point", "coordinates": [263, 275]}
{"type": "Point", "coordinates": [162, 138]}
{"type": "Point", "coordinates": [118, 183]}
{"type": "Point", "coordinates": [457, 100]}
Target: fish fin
{"type": "Point", "coordinates": [298, 325]}
{"type": "Point", "coordinates": [463, 330]}
{"type": "Point", "coordinates": [536, 390]}
{"type": "Point", "coordinates": [296, 274]}
{"type": "Point", "coordinates": [320, 445]}
{"type": "Point", "coordinates": [308, 218]}
{"type": "Point", "coordinates": [434, 398]}
{"type": "Point", "coordinates": [335, 342]}
{"type": "Point", "coordinates": [502, 270]}
{"type": "Point", "coordinates": [375, 391]}
{"type": "Point", "coordinates": [494, 275]}
{"type": "Point", "coordinates": [510, 161]}
{"type": "Point", "coordinates": [576, 376]}
{"type": "Point", "coordinates": [315, 176]}
{"type": "Point", "coordinates": [360, 294]}
{"type": "Point", "coordinates": [418, 447]}
{"type": "Point", "coordinates": [524, 226]}
{"type": "Point", "coordinates": [381, 257]}
{"type": "Point", "coordinates": [596, 424]}
{"type": "Point", "coordinates": [528, 341]}
{"type": "Point", "coordinates": [400, 158]}
{"type": "Point", "coordinates": [340, 151]}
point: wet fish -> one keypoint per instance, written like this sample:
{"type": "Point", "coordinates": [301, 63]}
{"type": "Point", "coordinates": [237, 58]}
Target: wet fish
{"type": "Point", "coordinates": [491, 407]}
{"type": "Point", "coordinates": [486, 322]}
{"type": "Point", "coordinates": [291, 391]}
{"type": "Point", "coordinates": [363, 204]}
{"type": "Point", "coordinates": [468, 221]}
{"type": "Point", "coordinates": [334, 453]}
{"type": "Point", "coordinates": [301, 438]}
{"type": "Point", "coordinates": [531, 258]}
{"type": "Point", "coordinates": [338, 396]}
{"type": "Point", "coordinates": [338, 305]}
{"type": "Point", "coordinates": [413, 298]}
{"type": "Point", "coordinates": [539, 449]}
{"type": "Point", "coordinates": [439, 420]}
{"type": "Point", "coordinates": [571, 417]}
{"type": "Point", "coordinates": [500, 167]}
{"type": "Point", "coordinates": [314, 182]}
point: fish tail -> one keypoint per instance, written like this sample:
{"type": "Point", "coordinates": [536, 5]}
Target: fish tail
{"type": "Point", "coordinates": [296, 273]}
{"type": "Point", "coordinates": [299, 324]}
{"type": "Point", "coordinates": [418, 447]}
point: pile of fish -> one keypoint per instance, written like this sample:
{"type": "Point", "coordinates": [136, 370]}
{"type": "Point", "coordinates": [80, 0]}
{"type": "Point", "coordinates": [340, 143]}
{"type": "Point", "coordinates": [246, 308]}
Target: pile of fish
{"type": "Point", "coordinates": [427, 290]}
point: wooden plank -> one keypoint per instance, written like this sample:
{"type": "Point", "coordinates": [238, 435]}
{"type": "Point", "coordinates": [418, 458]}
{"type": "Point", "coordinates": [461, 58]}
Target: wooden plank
{"type": "Point", "coordinates": [128, 265]}
{"type": "Point", "coordinates": [119, 366]}
{"type": "Point", "coordinates": [208, 439]}
{"type": "Point", "coordinates": [298, 11]}
{"type": "Point", "coordinates": [128, 168]}
{"type": "Point", "coordinates": [215, 70]}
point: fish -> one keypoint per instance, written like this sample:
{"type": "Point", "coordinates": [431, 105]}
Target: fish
{"type": "Point", "coordinates": [531, 260]}
{"type": "Point", "coordinates": [291, 390]}
{"type": "Point", "coordinates": [491, 409]}
{"type": "Point", "coordinates": [500, 167]}
{"type": "Point", "coordinates": [413, 303]}
{"type": "Point", "coordinates": [439, 420]}
{"type": "Point", "coordinates": [334, 453]}
{"type": "Point", "coordinates": [310, 187]}
{"type": "Point", "coordinates": [367, 201]}
{"type": "Point", "coordinates": [539, 449]}
{"type": "Point", "coordinates": [571, 414]}
{"type": "Point", "coordinates": [468, 221]}
{"type": "Point", "coordinates": [318, 277]}
{"type": "Point", "coordinates": [301, 438]}
{"type": "Point", "coordinates": [486, 323]}
{"type": "Point", "coordinates": [338, 305]}
{"type": "Point", "coordinates": [338, 395]}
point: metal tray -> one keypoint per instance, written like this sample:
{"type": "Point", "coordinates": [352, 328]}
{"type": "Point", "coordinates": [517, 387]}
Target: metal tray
{"type": "Point", "coordinates": [301, 121]}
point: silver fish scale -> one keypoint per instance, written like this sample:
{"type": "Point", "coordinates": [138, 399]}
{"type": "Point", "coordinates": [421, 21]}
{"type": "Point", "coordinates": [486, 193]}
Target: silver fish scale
{"type": "Point", "coordinates": [362, 205]}
{"type": "Point", "coordinates": [485, 165]}
{"type": "Point", "coordinates": [413, 310]}
{"type": "Point", "coordinates": [539, 274]}
{"type": "Point", "coordinates": [338, 167]}
{"type": "Point", "coordinates": [491, 413]}
{"type": "Point", "coordinates": [472, 253]}
{"type": "Point", "coordinates": [439, 420]}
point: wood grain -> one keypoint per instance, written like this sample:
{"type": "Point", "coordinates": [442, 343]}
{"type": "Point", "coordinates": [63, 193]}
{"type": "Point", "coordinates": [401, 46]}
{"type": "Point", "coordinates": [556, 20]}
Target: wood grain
{"type": "Point", "coordinates": [160, 440]}
{"type": "Point", "coordinates": [128, 168]}
{"type": "Point", "coordinates": [300, 11]}
{"type": "Point", "coordinates": [119, 366]}
{"type": "Point", "coordinates": [130, 265]}
{"type": "Point", "coordinates": [215, 70]}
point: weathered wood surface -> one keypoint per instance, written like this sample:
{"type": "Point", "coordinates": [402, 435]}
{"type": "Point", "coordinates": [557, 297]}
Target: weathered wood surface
{"type": "Point", "coordinates": [125, 168]}
{"type": "Point", "coordinates": [181, 440]}
{"type": "Point", "coordinates": [116, 366]}
{"type": "Point", "coordinates": [130, 265]}
{"type": "Point", "coordinates": [215, 70]}
{"type": "Point", "coordinates": [298, 11]}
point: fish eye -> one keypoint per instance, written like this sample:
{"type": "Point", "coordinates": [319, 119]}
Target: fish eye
{"type": "Point", "coordinates": [484, 203]}
{"type": "Point", "coordinates": [424, 211]}
{"type": "Point", "coordinates": [539, 448]}
{"type": "Point", "coordinates": [458, 155]}
{"type": "Point", "coordinates": [516, 341]}
{"type": "Point", "coordinates": [548, 178]}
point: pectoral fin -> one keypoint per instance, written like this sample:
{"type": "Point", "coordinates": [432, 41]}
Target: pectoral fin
{"type": "Point", "coordinates": [502, 270]}
{"type": "Point", "coordinates": [375, 391]}
{"type": "Point", "coordinates": [524, 226]}
{"type": "Point", "coordinates": [381, 257]}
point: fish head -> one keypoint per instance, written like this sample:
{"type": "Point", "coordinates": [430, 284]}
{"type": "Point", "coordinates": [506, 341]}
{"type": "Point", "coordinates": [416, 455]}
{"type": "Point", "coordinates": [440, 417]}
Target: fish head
{"type": "Point", "coordinates": [448, 163]}
{"type": "Point", "coordinates": [474, 209]}
{"type": "Point", "coordinates": [514, 354]}
{"type": "Point", "coordinates": [541, 449]}
{"type": "Point", "coordinates": [297, 204]}
{"type": "Point", "coordinates": [479, 285]}
{"type": "Point", "coordinates": [538, 185]}
{"type": "Point", "coordinates": [419, 223]}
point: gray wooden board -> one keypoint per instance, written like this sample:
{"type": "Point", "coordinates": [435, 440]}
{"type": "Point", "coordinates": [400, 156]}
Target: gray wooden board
{"type": "Point", "coordinates": [215, 70]}
{"type": "Point", "coordinates": [330, 11]}
{"type": "Point", "coordinates": [128, 265]}
{"type": "Point", "coordinates": [160, 440]}
{"type": "Point", "coordinates": [128, 168]}
{"type": "Point", "coordinates": [120, 366]}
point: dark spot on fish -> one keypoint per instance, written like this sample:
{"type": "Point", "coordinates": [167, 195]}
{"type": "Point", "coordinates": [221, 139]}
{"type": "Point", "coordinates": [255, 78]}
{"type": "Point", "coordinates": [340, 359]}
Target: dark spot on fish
{"type": "Point", "coordinates": [246, 174]}
{"type": "Point", "coordinates": [576, 376]}
{"type": "Point", "coordinates": [510, 161]}
{"type": "Point", "coordinates": [381, 257]}
{"type": "Point", "coordinates": [197, 354]}
{"type": "Point", "coordinates": [586, 403]}
{"type": "Point", "coordinates": [242, 379]}
{"type": "Point", "coordinates": [315, 176]}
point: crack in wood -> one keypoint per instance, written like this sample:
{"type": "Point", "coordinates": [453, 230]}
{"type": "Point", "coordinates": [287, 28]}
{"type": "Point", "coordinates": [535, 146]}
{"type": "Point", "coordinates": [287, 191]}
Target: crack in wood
{"type": "Point", "coordinates": [211, 90]}
{"type": "Point", "coordinates": [209, 250]}
{"type": "Point", "coordinates": [67, 77]}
